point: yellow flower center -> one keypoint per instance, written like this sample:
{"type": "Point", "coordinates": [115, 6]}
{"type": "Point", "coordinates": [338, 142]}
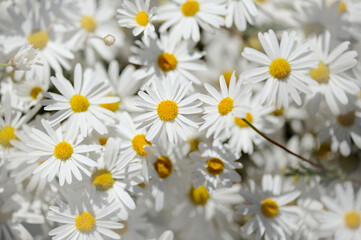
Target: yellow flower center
{"type": "Point", "coordinates": [342, 7]}
{"type": "Point", "coordinates": [320, 74]}
{"type": "Point", "coordinates": [199, 196]}
{"type": "Point", "coordinates": [142, 19]}
{"type": "Point", "coordinates": [63, 151]}
{"type": "Point", "coordinates": [38, 39]}
{"type": "Point", "coordinates": [167, 110]}
{"type": "Point", "coordinates": [346, 120]}
{"type": "Point", "coordinates": [7, 133]}
{"type": "Point", "coordinates": [35, 91]}
{"type": "Point", "coordinates": [241, 123]}
{"type": "Point", "coordinates": [225, 106]}
{"type": "Point", "coordinates": [193, 144]}
{"type": "Point", "coordinates": [280, 68]}
{"type": "Point", "coordinates": [227, 76]}
{"type": "Point", "coordinates": [88, 23]}
{"type": "Point", "coordinates": [261, 1]}
{"type": "Point", "coordinates": [215, 166]}
{"type": "Point", "coordinates": [138, 142]}
{"type": "Point", "coordinates": [167, 62]}
{"type": "Point", "coordinates": [85, 222]}
{"type": "Point", "coordinates": [163, 166]}
{"type": "Point", "coordinates": [79, 103]}
{"type": "Point", "coordinates": [269, 208]}
{"type": "Point", "coordinates": [103, 141]}
{"type": "Point", "coordinates": [278, 112]}
{"type": "Point", "coordinates": [102, 180]}
{"type": "Point", "coordinates": [190, 8]}
{"type": "Point", "coordinates": [110, 106]}
{"type": "Point", "coordinates": [352, 219]}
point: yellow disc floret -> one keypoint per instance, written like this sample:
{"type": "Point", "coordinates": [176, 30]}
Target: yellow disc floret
{"type": "Point", "coordinates": [167, 62]}
{"type": "Point", "coordinates": [85, 222]}
{"type": "Point", "coordinates": [199, 196]}
{"type": "Point", "coordinates": [63, 151]}
{"type": "Point", "coordinates": [320, 74]}
{"type": "Point", "coordinates": [163, 166]}
{"type": "Point", "coordinates": [35, 91]}
{"type": "Point", "coordinates": [342, 7]}
{"type": "Point", "coordinates": [241, 123]}
{"type": "Point", "coordinates": [225, 106]}
{"type": "Point", "coordinates": [138, 142]}
{"type": "Point", "coordinates": [38, 39]}
{"type": "Point", "coordinates": [110, 106]}
{"type": "Point", "coordinates": [353, 219]}
{"type": "Point", "coordinates": [103, 140]}
{"type": "Point", "coordinates": [280, 68]}
{"type": "Point", "coordinates": [227, 76]}
{"type": "Point", "coordinates": [102, 180]}
{"type": "Point", "coordinates": [7, 133]}
{"type": "Point", "coordinates": [190, 8]}
{"type": "Point", "coordinates": [269, 208]}
{"type": "Point", "coordinates": [79, 103]}
{"type": "Point", "coordinates": [167, 110]}
{"type": "Point", "coordinates": [88, 23]}
{"type": "Point", "coordinates": [142, 19]}
{"type": "Point", "coordinates": [346, 120]}
{"type": "Point", "coordinates": [215, 166]}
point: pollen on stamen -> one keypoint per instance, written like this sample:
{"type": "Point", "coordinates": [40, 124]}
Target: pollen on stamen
{"type": "Point", "coordinates": [167, 110]}
{"type": "Point", "coordinates": [85, 222]}
{"type": "Point", "coordinates": [280, 68]}
{"type": "Point", "coordinates": [225, 106]}
{"type": "Point", "coordinates": [138, 143]}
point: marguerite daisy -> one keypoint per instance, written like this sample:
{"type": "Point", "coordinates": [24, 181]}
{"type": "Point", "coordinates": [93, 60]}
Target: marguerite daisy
{"type": "Point", "coordinates": [165, 108]}
{"type": "Point", "coordinates": [240, 12]}
{"type": "Point", "coordinates": [214, 165]}
{"type": "Point", "coordinates": [80, 104]}
{"type": "Point", "coordinates": [223, 107]}
{"type": "Point", "coordinates": [185, 16]}
{"type": "Point", "coordinates": [283, 67]}
{"type": "Point", "coordinates": [138, 16]}
{"type": "Point", "coordinates": [60, 154]}
{"type": "Point", "coordinates": [81, 218]}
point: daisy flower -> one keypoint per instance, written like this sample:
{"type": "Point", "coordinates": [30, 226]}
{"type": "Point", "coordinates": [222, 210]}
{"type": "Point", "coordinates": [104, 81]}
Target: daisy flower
{"type": "Point", "coordinates": [331, 74]}
{"type": "Point", "coordinates": [274, 218]}
{"type": "Point", "coordinates": [240, 12]}
{"type": "Point", "coordinates": [342, 217]}
{"type": "Point", "coordinates": [343, 128]}
{"type": "Point", "coordinates": [283, 68]}
{"type": "Point", "coordinates": [165, 108]}
{"type": "Point", "coordinates": [214, 165]}
{"type": "Point", "coordinates": [138, 16]}
{"type": "Point", "coordinates": [25, 58]}
{"type": "Point", "coordinates": [116, 179]}
{"type": "Point", "coordinates": [222, 107]}
{"type": "Point", "coordinates": [59, 154]}
{"type": "Point", "coordinates": [134, 140]}
{"type": "Point", "coordinates": [80, 104]}
{"type": "Point", "coordinates": [185, 16]}
{"type": "Point", "coordinates": [81, 218]}
{"type": "Point", "coordinates": [162, 58]}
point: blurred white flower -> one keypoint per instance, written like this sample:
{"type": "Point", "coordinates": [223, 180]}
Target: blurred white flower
{"type": "Point", "coordinates": [26, 58]}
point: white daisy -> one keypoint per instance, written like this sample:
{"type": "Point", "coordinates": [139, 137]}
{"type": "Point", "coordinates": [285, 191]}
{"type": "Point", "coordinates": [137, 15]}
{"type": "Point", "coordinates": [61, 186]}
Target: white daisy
{"type": "Point", "coordinates": [185, 16]}
{"type": "Point", "coordinates": [134, 140]}
{"type": "Point", "coordinates": [213, 165]}
{"type": "Point", "coordinates": [342, 217]}
{"type": "Point", "coordinates": [162, 58]}
{"type": "Point", "coordinates": [60, 154]}
{"type": "Point", "coordinates": [138, 16]}
{"type": "Point", "coordinates": [82, 219]}
{"type": "Point", "coordinates": [116, 179]}
{"type": "Point", "coordinates": [25, 58]}
{"type": "Point", "coordinates": [274, 218]}
{"type": "Point", "coordinates": [165, 105]}
{"type": "Point", "coordinates": [283, 68]}
{"type": "Point", "coordinates": [80, 104]}
{"type": "Point", "coordinates": [331, 74]}
{"type": "Point", "coordinates": [240, 12]}
{"type": "Point", "coordinates": [223, 107]}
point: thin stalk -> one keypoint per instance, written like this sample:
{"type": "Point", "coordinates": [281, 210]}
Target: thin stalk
{"type": "Point", "coordinates": [5, 64]}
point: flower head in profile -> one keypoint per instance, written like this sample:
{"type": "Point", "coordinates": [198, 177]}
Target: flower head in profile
{"type": "Point", "coordinates": [25, 58]}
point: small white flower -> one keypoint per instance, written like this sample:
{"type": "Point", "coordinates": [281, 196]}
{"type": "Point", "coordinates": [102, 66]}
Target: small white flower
{"type": "Point", "coordinates": [26, 58]}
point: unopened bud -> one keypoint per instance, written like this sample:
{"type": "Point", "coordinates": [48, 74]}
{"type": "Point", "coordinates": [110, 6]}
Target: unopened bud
{"type": "Point", "coordinates": [109, 40]}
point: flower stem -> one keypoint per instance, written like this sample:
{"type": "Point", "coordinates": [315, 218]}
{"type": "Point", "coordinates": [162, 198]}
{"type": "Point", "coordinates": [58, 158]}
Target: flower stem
{"type": "Point", "coordinates": [283, 147]}
{"type": "Point", "coordinates": [5, 64]}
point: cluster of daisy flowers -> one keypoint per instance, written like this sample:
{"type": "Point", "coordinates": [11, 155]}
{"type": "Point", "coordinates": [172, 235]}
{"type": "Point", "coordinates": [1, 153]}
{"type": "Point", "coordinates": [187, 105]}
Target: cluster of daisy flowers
{"type": "Point", "coordinates": [180, 119]}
